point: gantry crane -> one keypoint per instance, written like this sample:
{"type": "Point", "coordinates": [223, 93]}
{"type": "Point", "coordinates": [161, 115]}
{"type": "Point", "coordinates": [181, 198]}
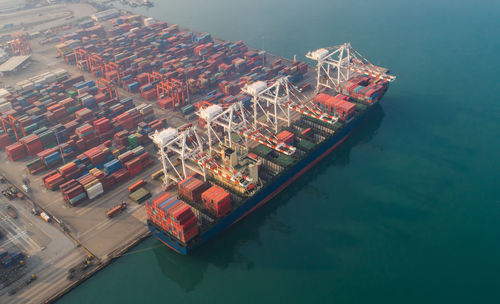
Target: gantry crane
{"type": "Point", "coordinates": [19, 44]}
{"type": "Point", "coordinates": [110, 67]}
{"type": "Point", "coordinates": [236, 119]}
{"type": "Point", "coordinates": [82, 55]}
{"type": "Point", "coordinates": [96, 64]}
{"type": "Point", "coordinates": [277, 99]}
{"type": "Point", "coordinates": [12, 121]}
{"type": "Point", "coordinates": [172, 88]}
{"type": "Point", "coordinates": [336, 65]}
{"type": "Point", "coordinates": [109, 85]}
{"type": "Point", "coordinates": [185, 149]}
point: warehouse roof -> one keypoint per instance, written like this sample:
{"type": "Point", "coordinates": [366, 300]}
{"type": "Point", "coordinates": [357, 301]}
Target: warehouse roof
{"type": "Point", "coordinates": [13, 63]}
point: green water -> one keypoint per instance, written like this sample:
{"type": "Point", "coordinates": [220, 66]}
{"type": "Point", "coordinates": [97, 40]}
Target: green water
{"type": "Point", "coordinates": [406, 211]}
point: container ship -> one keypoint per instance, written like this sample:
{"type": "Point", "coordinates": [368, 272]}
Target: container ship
{"type": "Point", "coordinates": [262, 121]}
{"type": "Point", "coordinates": [237, 157]}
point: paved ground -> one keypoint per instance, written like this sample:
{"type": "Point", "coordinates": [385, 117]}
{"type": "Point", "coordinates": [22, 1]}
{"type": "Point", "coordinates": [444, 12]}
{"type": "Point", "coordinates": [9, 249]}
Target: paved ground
{"type": "Point", "coordinates": [49, 253]}
{"type": "Point", "coordinates": [42, 18]}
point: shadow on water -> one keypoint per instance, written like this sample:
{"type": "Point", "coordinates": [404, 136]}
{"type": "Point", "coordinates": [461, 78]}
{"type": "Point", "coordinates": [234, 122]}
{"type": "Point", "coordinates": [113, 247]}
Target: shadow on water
{"type": "Point", "coordinates": [224, 250]}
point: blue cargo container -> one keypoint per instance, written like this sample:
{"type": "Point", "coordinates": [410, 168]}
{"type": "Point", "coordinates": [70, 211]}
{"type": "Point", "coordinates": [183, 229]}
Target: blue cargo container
{"type": "Point", "coordinates": [77, 199]}
{"type": "Point", "coordinates": [112, 166]}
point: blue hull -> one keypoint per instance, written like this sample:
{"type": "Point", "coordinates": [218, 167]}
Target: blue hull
{"type": "Point", "coordinates": [263, 195]}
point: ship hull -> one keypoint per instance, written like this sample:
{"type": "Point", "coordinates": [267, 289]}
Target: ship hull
{"type": "Point", "coordinates": [263, 195]}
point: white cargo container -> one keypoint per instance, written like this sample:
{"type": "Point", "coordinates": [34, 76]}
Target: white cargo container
{"type": "Point", "coordinates": [95, 191]}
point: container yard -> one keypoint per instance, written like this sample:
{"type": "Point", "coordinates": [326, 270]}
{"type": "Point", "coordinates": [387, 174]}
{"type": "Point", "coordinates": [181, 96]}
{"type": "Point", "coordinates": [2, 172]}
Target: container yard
{"type": "Point", "coordinates": [126, 125]}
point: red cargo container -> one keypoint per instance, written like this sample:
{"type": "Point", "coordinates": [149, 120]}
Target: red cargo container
{"type": "Point", "coordinates": [125, 157]}
{"type": "Point", "coordinates": [134, 166]}
{"type": "Point", "coordinates": [217, 200]}
{"type": "Point", "coordinates": [286, 136]}
{"type": "Point", "coordinates": [191, 188]}
{"type": "Point", "coordinates": [54, 181]}
{"type": "Point", "coordinates": [136, 186]}
{"type": "Point", "coordinates": [165, 102]}
{"type": "Point", "coordinates": [4, 141]}
{"type": "Point", "coordinates": [15, 151]}
{"type": "Point", "coordinates": [120, 175]}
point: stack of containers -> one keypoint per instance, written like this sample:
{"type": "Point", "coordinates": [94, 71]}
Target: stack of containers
{"type": "Point", "coordinates": [48, 139]}
{"type": "Point", "coordinates": [125, 157]}
{"type": "Point", "coordinates": [4, 140]}
{"type": "Point", "coordinates": [97, 155]}
{"type": "Point", "coordinates": [103, 127]}
{"type": "Point", "coordinates": [217, 200]}
{"type": "Point", "coordinates": [69, 171]}
{"type": "Point", "coordinates": [73, 192]}
{"type": "Point", "coordinates": [107, 181]}
{"type": "Point", "coordinates": [50, 157]}
{"type": "Point", "coordinates": [132, 141]}
{"type": "Point", "coordinates": [112, 166]}
{"type": "Point", "coordinates": [157, 124]}
{"type": "Point", "coordinates": [121, 138]}
{"type": "Point", "coordinates": [191, 188]}
{"type": "Point", "coordinates": [33, 144]}
{"type": "Point", "coordinates": [134, 166]}
{"type": "Point", "coordinates": [92, 185]}
{"type": "Point", "coordinates": [52, 182]}
{"type": "Point", "coordinates": [125, 120]}
{"type": "Point", "coordinates": [16, 151]}
{"type": "Point", "coordinates": [145, 159]}
{"type": "Point", "coordinates": [345, 109]}
{"type": "Point", "coordinates": [85, 132]}
{"type": "Point", "coordinates": [173, 216]}
{"type": "Point", "coordinates": [338, 104]}
{"type": "Point", "coordinates": [67, 149]}
{"type": "Point", "coordinates": [183, 222]}
{"type": "Point", "coordinates": [138, 150]}
{"type": "Point", "coordinates": [95, 190]}
{"type": "Point", "coordinates": [88, 101]}
{"type": "Point", "coordinates": [120, 176]}
{"type": "Point", "coordinates": [55, 113]}
{"type": "Point", "coordinates": [286, 137]}
{"type": "Point", "coordinates": [35, 166]}
{"type": "Point", "coordinates": [84, 114]}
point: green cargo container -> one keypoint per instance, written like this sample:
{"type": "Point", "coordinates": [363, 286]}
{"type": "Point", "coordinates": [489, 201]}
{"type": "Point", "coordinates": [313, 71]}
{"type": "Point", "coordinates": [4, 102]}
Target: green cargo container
{"type": "Point", "coordinates": [61, 78]}
{"type": "Point", "coordinates": [138, 150]}
{"type": "Point", "coordinates": [277, 158]}
{"type": "Point", "coordinates": [34, 162]}
{"type": "Point", "coordinates": [72, 94]}
{"type": "Point", "coordinates": [187, 109]}
{"type": "Point", "coordinates": [284, 160]}
{"type": "Point", "coordinates": [72, 109]}
{"type": "Point", "coordinates": [41, 130]}
{"type": "Point", "coordinates": [140, 195]}
{"type": "Point", "coordinates": [29, 94]}
{"type": "Point", "coordinates": [305, 145]}
{"type": "Point", "coordinates": [48, 139]}
{"type": "Point", "coordinates": [45, 98]}
{"type": "Point", "coordinates": [262, 150]}
{"type": "Point", "coordinates": [133, 141]}
{"type": "Point", "coordinates": [31, 128]}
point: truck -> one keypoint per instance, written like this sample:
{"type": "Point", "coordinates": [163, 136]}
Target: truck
{"type": "Point", "coordinates": [116, 210]}
{"type": "Point", "coordinates": [45, 217]}
{"type": "Point", "coordinates": [12, 211]}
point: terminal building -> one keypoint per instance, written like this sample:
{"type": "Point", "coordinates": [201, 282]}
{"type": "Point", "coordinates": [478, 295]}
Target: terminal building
{"type": "Point", "coordinates": [14, 64]}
